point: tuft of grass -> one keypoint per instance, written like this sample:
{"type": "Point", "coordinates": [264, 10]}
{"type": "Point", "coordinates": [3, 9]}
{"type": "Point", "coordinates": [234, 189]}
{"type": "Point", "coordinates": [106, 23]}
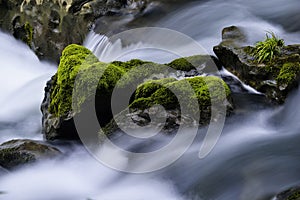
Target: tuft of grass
{"type": "Point", "coordinates": [265, 51]}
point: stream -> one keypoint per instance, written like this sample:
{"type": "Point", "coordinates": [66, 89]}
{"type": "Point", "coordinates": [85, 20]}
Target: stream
{"type": "Point", "coordinates": [256, 157]}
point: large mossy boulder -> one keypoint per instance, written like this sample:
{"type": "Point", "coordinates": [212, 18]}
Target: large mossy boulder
{"type": "Point", "coordinates": [275, 78]}
{"type": "Point", "coordinates": [15, 153]}
{"type": "Point", "coordinates": [82, 80]}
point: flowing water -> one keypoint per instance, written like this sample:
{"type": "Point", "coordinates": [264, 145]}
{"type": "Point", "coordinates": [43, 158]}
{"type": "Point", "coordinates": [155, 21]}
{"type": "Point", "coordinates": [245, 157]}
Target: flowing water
{"type": "Point", "coordinates": [22, 80]}
{"type": "Point", "coordinates": [256, 157]}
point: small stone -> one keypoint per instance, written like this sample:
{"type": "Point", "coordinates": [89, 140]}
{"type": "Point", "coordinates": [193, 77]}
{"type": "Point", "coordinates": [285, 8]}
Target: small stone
{"type": "Point", "coordinates": [16, 153]}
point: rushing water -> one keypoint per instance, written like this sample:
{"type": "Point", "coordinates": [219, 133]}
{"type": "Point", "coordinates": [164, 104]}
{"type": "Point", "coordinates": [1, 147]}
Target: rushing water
{"type": "Point", "coordinates": [22, 79]}
{"type": "Point", "coordinates": [256, 156]}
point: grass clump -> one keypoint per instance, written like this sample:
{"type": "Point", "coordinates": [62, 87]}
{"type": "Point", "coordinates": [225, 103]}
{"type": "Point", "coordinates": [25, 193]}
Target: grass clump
{"type": "Point", "coordinates": [265, 51]}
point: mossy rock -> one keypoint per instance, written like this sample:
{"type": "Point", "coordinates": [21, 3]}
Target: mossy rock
{"type": "Point", "coordinates": [81, 79]}
{"type": "Point", "coordinates": [79, 65]}
{"type": "Point", "coordinates": [16, 153]}
{"type": "Point", "coordinates": [275, 78]}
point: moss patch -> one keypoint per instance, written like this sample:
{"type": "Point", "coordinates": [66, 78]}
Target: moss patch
{"type": "Point", "coordinates": [147, 89]}
{"type": "Point", "coordinates": [288, 74]}
{"type": "Point", "coordinates": [29, 34]}
{"type": "Point", "coordinates": [90, 76]}
{"type": "Point", "coordinates": [188, 63]}
{"type": "Point", "coordinates": [141, 73]}
{"type": "Point", "coordinates": [163, 94]}
{"type": "Point", "coordinates": [129, 64]}
{"type": "Point", "coordinates": [74, 58]}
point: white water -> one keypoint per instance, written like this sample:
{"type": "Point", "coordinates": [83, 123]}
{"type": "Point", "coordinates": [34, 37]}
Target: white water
{"type": "Point", "coordinates": [257, 156]}
{"type": "Point", "coordinates": [22, 80]}
{"type": "Point", "coordinates": [79, 177]}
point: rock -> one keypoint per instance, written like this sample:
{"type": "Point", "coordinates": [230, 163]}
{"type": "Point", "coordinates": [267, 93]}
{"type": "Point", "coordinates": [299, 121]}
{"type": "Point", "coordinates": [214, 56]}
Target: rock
{"type": "Point", "coordinates": [80, 71]}
{"type": "Point", "coordinates": [290, 194]}
{"type": "Point", "coordinates": [15, 153]}
{"type": "Point", "coordinates": [276, 79]}
{"type": "Point", "coordinates": [233, 34]}
{"type": "Point", "coordinates": [156, 105]}
{"type": "Point", "coordinates": [167, 121]}
{"type": "Point", "coordinates": [49, 26]}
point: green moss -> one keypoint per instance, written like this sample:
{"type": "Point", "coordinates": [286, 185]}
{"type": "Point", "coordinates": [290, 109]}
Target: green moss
{"type": "Point", "coordinates": [164, 93]}
{"type": "Point", "coordinates": [188, 63]}
{"type": "Point", "coordinates": [90, 76]}
{"type": "Point", "coordinates": [28, 34]}
{"type": "Point", "coordinates": [148, 88]}
{"type": "Point", "coordinates": [129, 64]}
{"type": "Point", "coordinates": [73, 59]}
{"type": "Point", "coordinates": [141, 73]}
{"type": "Point", "coordinates": [248, 49]}
{"type": "Point", "coordinates": [294, 196]}
{"type": "Point", "coordinates": [288, 74]}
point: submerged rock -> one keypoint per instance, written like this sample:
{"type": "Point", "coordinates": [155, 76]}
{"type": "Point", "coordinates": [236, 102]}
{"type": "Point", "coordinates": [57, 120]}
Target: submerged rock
{"type": "Point", "coordinates": [81, 80]}
{"type": "Point", "coordinates": [276, 79]}
{"type": "Point", "coordinates": [15, 153]}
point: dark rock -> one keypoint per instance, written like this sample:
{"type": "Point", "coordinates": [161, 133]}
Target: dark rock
{"type": "Point", "coordinates": [15, 153]}
{"type": "Point", "coordinates": [233, 34]}
{"type": "Point", "coordinates": [290, 194]}
{"type": "Point", "coordinates": [55, 24]}
{"type": "Point", "coordinates": [275, 79]}
{"type": "Point", "coordinates": [167, 121]}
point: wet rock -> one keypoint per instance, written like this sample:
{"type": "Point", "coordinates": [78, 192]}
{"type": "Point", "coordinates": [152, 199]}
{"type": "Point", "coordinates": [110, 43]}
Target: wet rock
{"type": "Point", "coordinates": [276, 79]}
{"type": "Point", "coordinates": [166, 121]}
{"type": "Point", "coordinates": [16, 153]}
{"type": "Point", "coordinates": [290, 194]}
{"type": "Point", "coordinates": [49, 26]}
{"type": "Point", "coordinates": [80, 71]}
